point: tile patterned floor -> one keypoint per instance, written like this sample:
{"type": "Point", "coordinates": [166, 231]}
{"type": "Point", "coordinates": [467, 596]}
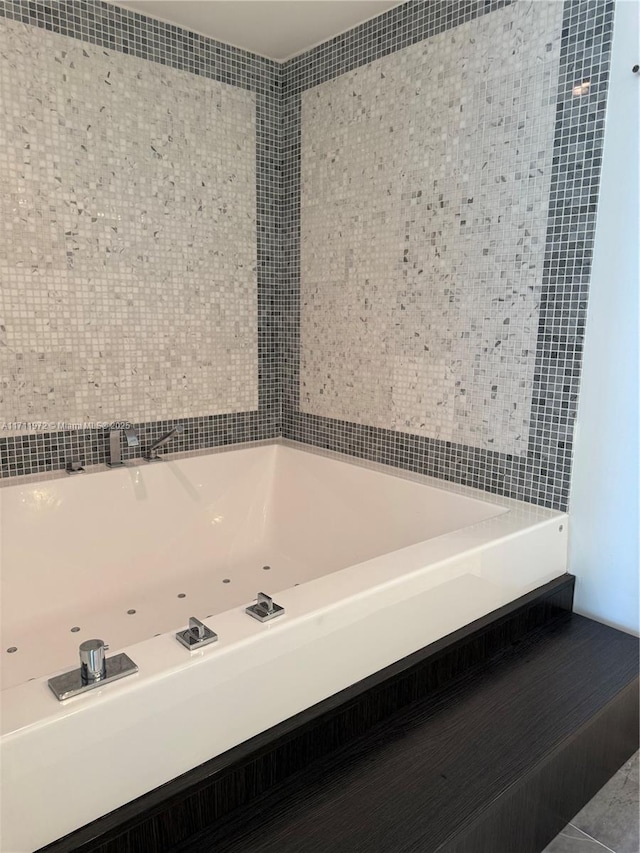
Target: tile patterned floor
{"type": "Point", "coordinates": [609, 822]}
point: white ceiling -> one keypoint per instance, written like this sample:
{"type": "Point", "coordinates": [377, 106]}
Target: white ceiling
{"type": "Point", "coordinates": [274, 28]}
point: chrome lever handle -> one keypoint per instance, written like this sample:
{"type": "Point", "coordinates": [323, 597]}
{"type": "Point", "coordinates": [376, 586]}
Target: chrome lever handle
{"type": "Point", "coordinates": [197, 628]}
{"type": "Point", "coordinates": [264, 602]}
{"type": "Point", "coordinates": [196, 635]}
{"type": "Point", "coordinates": [265, 608]}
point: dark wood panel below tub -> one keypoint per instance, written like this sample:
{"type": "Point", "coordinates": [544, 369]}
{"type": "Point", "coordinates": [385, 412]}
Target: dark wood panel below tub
{"type": "Point", "coordinates": [496, 762]}
{"type": "Point", "coordinates": [206, 794]}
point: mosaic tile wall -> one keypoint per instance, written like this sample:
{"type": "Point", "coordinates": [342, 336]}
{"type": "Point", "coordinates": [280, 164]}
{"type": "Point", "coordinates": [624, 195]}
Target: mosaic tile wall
{"type": "Point", "coordinates": [538, 471]}
{"type": "Point", "coordinates": [138, 259]}
{"type": "Point", "coordinates": [497, 93]}
{"type": "Point", "coordinates": [424, 194]}
{"type": "Point", "coordinates": [128, 254]}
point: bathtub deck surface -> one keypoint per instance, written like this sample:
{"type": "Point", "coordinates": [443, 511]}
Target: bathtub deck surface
{"type": "Point", "coordinates": [496, 762]}
{"type": "Point", "coordinates": [161, 607]}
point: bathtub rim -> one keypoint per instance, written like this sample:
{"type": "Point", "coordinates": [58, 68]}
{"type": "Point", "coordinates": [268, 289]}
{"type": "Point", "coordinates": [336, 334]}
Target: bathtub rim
{"type": "Point", "coordinates": [449, 486]}
{"type": "Point", "coordinates": [31, 705]}
{"type": "Point", "coordinates": [311, 599]}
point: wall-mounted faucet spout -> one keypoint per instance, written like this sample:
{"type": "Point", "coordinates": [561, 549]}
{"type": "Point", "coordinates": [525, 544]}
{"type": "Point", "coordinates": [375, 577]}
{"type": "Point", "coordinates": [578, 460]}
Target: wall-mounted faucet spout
{"type": "Point", "coordinates": [152, 454]}
{"type": "Point", "coordinates": [115, 451]}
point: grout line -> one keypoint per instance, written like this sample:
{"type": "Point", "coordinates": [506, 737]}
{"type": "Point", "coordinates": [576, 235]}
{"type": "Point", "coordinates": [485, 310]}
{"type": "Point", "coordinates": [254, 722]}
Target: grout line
{"type": "Point", "coordinates": [604, 846]}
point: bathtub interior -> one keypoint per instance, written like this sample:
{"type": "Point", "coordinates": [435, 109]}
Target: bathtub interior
{"type": "Point", "coordinates": [132, 553]}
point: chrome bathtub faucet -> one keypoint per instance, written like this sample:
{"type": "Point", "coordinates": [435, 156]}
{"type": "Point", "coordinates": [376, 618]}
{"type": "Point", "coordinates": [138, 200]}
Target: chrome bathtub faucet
{"type": "Point", "coordinates": [96, 669]}
{"type": "Point", "coordinates": [115, 451]}
{"type": "Point", "coordinates": [93, 661]}
{"type": "Point", "coordinates": [152, 454]}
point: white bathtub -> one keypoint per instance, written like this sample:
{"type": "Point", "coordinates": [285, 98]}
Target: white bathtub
{"type": "Point", "coordinates": [369, 565]}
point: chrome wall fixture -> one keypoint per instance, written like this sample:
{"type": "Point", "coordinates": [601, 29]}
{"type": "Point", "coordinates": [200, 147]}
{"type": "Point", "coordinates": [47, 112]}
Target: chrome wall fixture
{"type": "Point", "coordinates": [152, 454]}
{"type": "Point", "coordinates": [115, 451]}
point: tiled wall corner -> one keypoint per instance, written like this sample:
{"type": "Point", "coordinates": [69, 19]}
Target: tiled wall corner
{"type": "Point", "coordinates": [478, 440]}
{"type": "Point", "coordinates": [420, 331]}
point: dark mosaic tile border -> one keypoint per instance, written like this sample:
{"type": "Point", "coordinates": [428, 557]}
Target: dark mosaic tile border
{"type": "Point", "coordinates": [37, 453]}
{"type": "Point", "coordinates": [392, 31]}
{"type": "Point", "coordinates": [543, 475]}
{"type": "Point", "coordinates": [128, 32]}
{"type": "Point", "coordinates": [125, 31]}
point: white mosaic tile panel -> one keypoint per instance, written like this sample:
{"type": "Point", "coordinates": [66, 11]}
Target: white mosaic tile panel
{"type": "Point", "coordinates": [425, 186]}
{"type": "Point", "coordinates": [128, 244]}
